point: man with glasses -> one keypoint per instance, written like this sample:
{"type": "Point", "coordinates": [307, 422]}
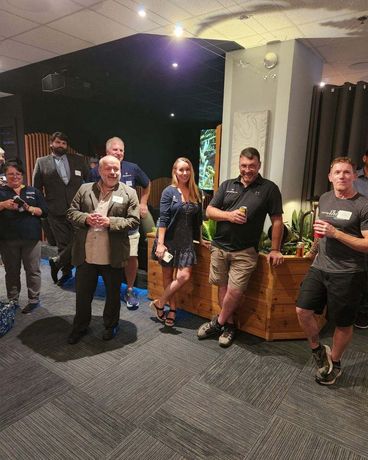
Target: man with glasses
{"type": "Point", "coordinates": [59, 176]}
{"type": "Point", "coordinates": [240, 207]}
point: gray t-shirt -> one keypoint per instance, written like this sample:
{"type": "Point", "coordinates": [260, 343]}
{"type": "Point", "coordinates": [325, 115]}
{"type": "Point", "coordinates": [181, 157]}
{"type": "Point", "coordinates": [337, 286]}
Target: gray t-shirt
{"type": "Point", "coordinates": [349, 216]}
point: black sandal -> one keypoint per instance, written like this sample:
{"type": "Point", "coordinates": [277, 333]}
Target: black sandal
{"type": "Point", "coordinates": [170, 322]}
{"type": "Point", "coordinates": [156, 310]}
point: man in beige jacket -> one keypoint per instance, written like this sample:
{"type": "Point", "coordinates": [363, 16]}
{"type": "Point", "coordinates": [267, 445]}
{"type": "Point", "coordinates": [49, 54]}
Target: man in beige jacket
{"type": "Point", "coordinates": [102, 214]}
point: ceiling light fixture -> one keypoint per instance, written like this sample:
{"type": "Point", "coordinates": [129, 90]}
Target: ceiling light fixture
{"type": "Point", "coordinates": [142, 12]}
{"type": "Point", "coordinates": [322, 84]}
{"type": "Point", "coordinates": [175, 65]}
{"type": "Point", "coordinates": [172, 114]}
{"type": "Point", "coordinates": [178, 31]}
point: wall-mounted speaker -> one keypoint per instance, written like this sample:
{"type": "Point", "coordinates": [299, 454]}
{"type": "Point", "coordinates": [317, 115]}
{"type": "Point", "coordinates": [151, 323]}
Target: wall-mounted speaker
{"type": "Point", "coordinates": [53, 82]}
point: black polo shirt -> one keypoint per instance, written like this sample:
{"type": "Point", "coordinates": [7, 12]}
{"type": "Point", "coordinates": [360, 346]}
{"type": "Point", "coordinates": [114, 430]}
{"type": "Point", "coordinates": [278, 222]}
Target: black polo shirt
{"type": "Point", "coordinates": [261, 197]}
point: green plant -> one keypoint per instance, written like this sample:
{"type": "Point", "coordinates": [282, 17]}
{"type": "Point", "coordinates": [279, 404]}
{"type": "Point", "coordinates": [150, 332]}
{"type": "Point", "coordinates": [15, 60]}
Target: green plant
{"type": "Point", "coordinates": [208, 229]}
{"type": "Point", "coordinates": [295, 234]}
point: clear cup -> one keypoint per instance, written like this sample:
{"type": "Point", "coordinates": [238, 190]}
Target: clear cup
{"type": "Point", "coordinates": [97, 228]}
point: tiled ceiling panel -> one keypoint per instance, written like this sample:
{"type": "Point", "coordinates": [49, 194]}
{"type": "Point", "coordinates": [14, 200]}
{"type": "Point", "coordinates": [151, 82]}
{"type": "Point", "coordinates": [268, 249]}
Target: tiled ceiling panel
{"type": "Point", "coordinates": [27, 53]}
{"type": "Point", "coordinates": [90, 26]}
{"type": "Point", "coordinates": [7, 63]}
{"type": "Point", "coordinates": [12, 25]}
{"type": "Point", "coordinates": [124, 15]}
{"type": "Point", "coordinates": [40, 11]}
{"type": "Point", "coordinates": [52, 40]}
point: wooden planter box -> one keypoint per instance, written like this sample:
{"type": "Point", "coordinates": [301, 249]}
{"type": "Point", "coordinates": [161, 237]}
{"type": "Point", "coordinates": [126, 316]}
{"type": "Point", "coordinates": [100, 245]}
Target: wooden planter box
{"type": "Point", "coordinates": [268, 307]}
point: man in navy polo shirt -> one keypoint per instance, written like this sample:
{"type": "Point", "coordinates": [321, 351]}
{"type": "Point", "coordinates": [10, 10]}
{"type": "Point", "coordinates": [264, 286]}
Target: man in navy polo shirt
{"type": "Point", "coordinates": [234, 251]}
{"type": "Point", "coordinates": [131, 175]}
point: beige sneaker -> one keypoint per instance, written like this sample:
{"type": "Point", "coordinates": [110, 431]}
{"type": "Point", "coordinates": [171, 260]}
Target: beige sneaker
{"type": "Point", "coordinates": [210, 328]}
{"type": "Point", "coordinates": [228, 335]}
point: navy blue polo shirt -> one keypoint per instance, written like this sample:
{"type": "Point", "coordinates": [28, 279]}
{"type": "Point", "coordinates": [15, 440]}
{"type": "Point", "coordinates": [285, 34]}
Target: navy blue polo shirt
{"type": "Point", "coordinates": [21, 225]}
{"type": "Point", "coordinates": [131, 175]}
{"type": "Point", "coordinates": [261, 197]}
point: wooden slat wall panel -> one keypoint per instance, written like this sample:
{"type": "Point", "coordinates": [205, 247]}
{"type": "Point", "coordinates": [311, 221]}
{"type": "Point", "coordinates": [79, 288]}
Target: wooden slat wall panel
{"type": "Point", "coordinates": [37, 145]}
{"type": "Point", "coordinates": [157, 185]}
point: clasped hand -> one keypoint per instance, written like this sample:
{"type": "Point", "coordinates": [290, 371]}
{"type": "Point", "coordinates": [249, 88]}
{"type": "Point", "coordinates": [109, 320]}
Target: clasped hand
{"type": "Point", "coordinates": [97, 220]}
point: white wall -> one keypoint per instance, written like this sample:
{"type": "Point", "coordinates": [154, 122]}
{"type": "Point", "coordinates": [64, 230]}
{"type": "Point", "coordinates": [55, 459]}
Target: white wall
{"type": "Point", "coordinates": [287, 97]}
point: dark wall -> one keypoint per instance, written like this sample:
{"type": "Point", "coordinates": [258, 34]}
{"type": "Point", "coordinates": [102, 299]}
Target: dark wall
{"type": "Point", "coordinates": [152, 143]}
{"type": "Point", "coordinates": [11, 127]}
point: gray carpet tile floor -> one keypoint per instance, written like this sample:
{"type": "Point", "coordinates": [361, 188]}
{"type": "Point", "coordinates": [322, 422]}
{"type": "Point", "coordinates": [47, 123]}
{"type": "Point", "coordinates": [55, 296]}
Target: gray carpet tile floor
{"type": "Point", "coordinates": [159, 393]}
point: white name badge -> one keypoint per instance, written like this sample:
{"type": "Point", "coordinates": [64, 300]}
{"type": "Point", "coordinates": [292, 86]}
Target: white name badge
{"type": "Point", "coordinates": [117, 199]}
{"type": "Point", "coordinates": [343, 215]}
{"type": "Point", "coordinates": [77, 173]}
{"type": "Point", "coordinates": [129, 183]}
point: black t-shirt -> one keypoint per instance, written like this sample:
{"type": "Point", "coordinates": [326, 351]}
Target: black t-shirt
{"type": "Point", "coordinates": [351, 217]}
{"type": "Point", "coordinates": [261, 197]}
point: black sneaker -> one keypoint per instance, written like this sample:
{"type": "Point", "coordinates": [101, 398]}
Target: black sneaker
{"type": "Point", "coordinates": [228, 335]}
{"type": "Point", "coordinates": [362, 320]}
{"type": "Point", "coordinates": [323, 360]}
{"type": "Point", "coordinates": [110, 333]}
{"type": "Point", "coordinates": [54, 269]}
{"type": "Point", "coordinates": [66, 277]}
{"type": "Point", "coordinates": [30, 307]}
{"type": "Point", "coordinates": [330, 378]}
{"type": "Point", "coordinates": [208, 329]}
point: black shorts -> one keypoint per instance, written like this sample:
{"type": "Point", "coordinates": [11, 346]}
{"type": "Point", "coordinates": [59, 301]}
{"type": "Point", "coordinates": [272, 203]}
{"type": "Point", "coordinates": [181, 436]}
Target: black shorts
{"type": "Point", "coordinates": [341, 292]}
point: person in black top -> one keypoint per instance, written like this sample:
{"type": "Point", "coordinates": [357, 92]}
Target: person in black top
{"type": "Point", "coordinates": [234, 251]}
{"type": "Point", "coordinates": [21, 207]}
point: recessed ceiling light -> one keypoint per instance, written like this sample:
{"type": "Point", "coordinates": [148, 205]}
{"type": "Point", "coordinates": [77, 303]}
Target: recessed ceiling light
{"type": "Point", "coordinates": [175, 65]}
{"type": "Point", "coordinates": [178, 31]}
{"type": "Point", "coordinates": [172, 114]}
{"type": "Point", "coordinates": [142, 12]}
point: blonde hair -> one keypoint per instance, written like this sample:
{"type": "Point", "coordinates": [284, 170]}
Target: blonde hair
{"type": "Point", "coordinates": [194, 195]}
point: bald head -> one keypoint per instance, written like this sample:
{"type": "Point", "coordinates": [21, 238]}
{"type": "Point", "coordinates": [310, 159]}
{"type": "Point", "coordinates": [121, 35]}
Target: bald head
{"type": "Point", "coordinates": [109, 169]}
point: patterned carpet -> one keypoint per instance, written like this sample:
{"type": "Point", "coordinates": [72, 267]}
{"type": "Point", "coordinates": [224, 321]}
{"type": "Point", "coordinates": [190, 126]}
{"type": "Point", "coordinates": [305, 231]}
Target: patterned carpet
{"type": "Point", "coordinates": [153, 393]}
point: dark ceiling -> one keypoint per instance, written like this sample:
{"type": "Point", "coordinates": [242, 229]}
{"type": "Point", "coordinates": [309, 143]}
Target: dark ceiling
{"type": "Point", "coordinates": [136, 73]}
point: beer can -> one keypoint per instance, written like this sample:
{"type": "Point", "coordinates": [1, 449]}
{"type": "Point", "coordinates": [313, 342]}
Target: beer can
{"type": "Point", "coordinates": [243, 210]}
{"type": "Point", "coordinates": [300, 249]}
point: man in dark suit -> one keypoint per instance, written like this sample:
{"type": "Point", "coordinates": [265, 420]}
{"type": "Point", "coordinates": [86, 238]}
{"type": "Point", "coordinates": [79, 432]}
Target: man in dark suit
{"type": "Point", "coordinates": [59, 176]}
{"type": "Point", "coordinates": [102, 213]}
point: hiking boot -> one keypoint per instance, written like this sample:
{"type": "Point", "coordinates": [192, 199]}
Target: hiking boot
{"type": "Point", "coordinates": [228, 335]}
{"type": "Point", "coordinates": [330, 378]}
{"type": "Point", "coordinates": [323, 360]}
{"type": "Point", "coordinates": [208, 329]}
{"type": "Point", "coordinates": [131, 299]}
{"type": "Point", "coordinates": [362, 320]}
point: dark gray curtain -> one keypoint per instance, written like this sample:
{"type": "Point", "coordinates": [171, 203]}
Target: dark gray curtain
{"type": "Point", "coordinates": [338, 126]}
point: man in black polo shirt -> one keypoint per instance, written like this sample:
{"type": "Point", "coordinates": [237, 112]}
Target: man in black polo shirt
{"type": "Point", "coordinates": [234, 251]}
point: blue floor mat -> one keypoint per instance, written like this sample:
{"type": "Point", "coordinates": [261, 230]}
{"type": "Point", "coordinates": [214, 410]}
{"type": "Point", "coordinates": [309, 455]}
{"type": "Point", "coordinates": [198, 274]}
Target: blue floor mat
{"type": "Point", "coordinates": [100, 289]}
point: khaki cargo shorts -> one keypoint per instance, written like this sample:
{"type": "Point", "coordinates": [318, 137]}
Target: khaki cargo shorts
{"type": "Point", "coordinates": [133, 241]}
{"type": "Point", "coordinates": [233, 268]}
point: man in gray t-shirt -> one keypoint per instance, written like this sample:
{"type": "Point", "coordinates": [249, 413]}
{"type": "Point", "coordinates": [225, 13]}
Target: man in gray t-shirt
{"type": "Point", "coordinates": [338, 271]}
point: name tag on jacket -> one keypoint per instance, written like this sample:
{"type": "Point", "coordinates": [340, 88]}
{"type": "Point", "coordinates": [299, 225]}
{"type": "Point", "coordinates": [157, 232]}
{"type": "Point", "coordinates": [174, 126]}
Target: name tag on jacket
{"type": "Point", "coordinates": [117, 199]}
{"type": "Point", "coordinates": [77, 172]}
